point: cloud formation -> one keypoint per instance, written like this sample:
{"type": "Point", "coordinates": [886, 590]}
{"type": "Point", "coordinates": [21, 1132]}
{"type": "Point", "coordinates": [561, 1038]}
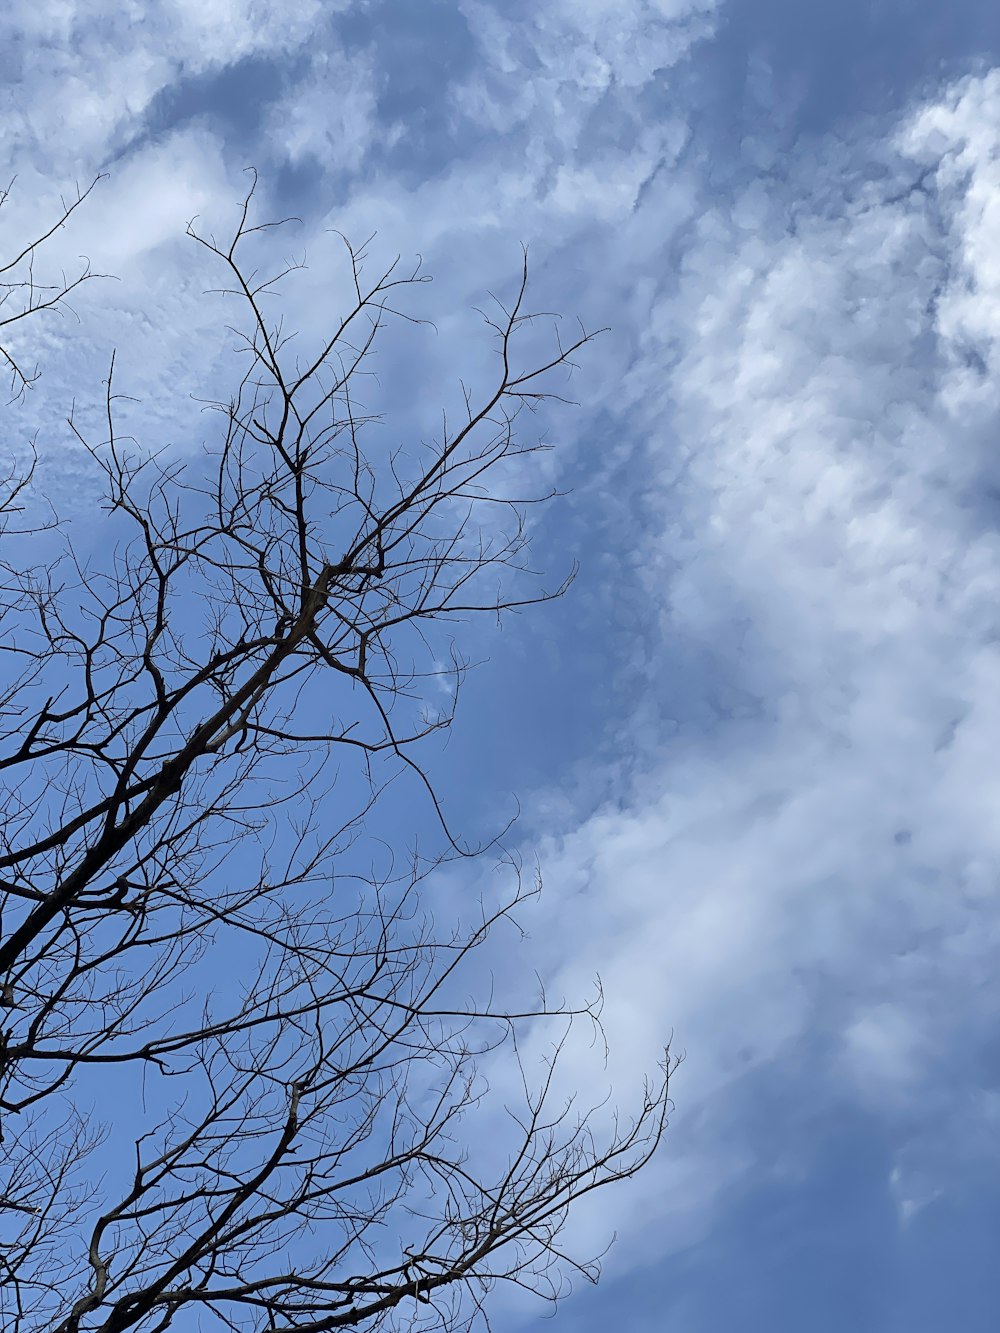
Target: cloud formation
{"type": "Point", "coordinates": [811, 880]}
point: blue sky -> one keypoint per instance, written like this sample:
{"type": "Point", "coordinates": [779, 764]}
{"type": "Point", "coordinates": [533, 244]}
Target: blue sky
{"type": "Point", "coordinates": [756, 746]}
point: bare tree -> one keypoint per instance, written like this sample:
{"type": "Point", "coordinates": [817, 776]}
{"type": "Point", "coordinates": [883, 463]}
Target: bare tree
{"type": "Point", "coordinates": [237, 1063]}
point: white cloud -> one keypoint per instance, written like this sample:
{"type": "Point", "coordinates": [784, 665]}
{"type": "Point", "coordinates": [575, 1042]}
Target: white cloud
{"type": "Point", "coordinates": [956, 138]}
{"type": "Point", "coordinates": [82, 75]}
{"type": "Point", "coordinates": [329, 115]}
{"type": "Point", "coordinates": [576, 50]}
{"type": "Point", "coordinates": [102, 73]}
{"type": "Point", "coordinates": [152, 309]}
{"type": "Point", "coordinates": [80, 83]}
{"type": "Point", "coordinates": [820, 876]}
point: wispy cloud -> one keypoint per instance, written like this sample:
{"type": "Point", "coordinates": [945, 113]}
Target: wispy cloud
{"type": "Point", "coordinates": [812, 878]}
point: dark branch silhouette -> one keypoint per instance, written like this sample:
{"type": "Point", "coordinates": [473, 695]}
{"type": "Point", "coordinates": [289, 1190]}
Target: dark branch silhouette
{"type": "Point", "coordinates": [211, 978]}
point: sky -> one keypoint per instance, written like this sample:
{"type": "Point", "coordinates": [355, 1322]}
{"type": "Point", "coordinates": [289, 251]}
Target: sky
{"type": "Point", "coordinates": [755, 746]}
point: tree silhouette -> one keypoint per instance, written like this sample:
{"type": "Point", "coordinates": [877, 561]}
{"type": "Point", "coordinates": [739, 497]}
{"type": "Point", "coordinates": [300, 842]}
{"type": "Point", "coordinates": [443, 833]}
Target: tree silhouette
{"type": "Point", "coordinates": [209, 978]}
